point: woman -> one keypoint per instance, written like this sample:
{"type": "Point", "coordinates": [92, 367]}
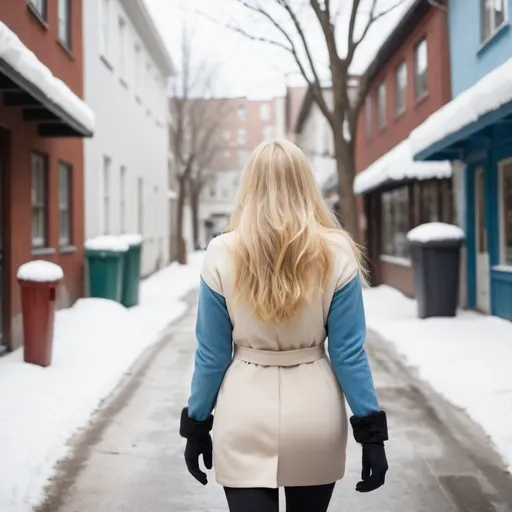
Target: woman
{"type": "Point", "coordinates": [282, 278]}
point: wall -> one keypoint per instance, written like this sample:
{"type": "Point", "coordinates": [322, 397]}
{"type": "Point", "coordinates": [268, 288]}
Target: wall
{"type": "Point", "coordinates": [132, 133]}
{"type": "Point", "coordinates": [470, 60]}
{"type": "Point", "coordinates": [19, 139]}
{"type": "Point", "coordinates": [434, 27]}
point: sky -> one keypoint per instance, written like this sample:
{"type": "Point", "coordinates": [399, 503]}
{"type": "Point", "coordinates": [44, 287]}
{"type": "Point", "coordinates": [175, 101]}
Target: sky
{"type": "Point", "coordinates": [250, 68]}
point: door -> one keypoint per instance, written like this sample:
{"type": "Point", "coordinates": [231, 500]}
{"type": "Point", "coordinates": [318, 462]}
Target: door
{"type": "Point", "coordinates": [482, 255]}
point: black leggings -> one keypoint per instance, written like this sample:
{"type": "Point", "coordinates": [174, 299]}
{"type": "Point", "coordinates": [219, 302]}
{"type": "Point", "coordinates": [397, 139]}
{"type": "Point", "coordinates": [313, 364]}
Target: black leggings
{"type": "Point", "coordinates": [298, 499]}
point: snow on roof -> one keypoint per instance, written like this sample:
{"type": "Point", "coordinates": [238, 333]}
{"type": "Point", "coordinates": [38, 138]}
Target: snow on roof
{"type": "Point", "coordinates": [435, 231]}
{"type": "Point", "coordinates": [107, 243]}
{"type": "Point", "coordinates": [25, 62]}
{"type": "Point", "coordinates": [488, 94]}
{"type": "Point", "coordinates": [397, 165]}
{"type": "Point", "coordinates": [40, 271]}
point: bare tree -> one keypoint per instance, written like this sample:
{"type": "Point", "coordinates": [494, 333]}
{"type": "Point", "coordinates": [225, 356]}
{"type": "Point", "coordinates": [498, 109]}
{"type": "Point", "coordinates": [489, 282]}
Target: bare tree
{"type": "Point", "coordinates": [290, 21]}
{"type": "Point", "coordinates": [194, 126]}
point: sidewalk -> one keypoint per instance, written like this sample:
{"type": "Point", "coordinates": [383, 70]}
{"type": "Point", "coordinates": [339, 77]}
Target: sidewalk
{"type": "Point", "coordinates": [466, 359]}
{"type": "Point", "coordinates": [96, 342]}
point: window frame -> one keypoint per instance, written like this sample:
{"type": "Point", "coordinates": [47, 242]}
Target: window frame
{"type": "Point", "coordinates": [241, 112]}
{"type": "Point", "coordinates": [400, 111]}
{"type": "Point", "coordinates": [382, 123]}
{"type": "Point", "coordinates": [122, 28]}
{"type": "Point", "coordinates": [239, 139]}
{"type": "Point", "coordinates": [105, 37]}
{"type": "Point", "coordinates": [368, 115]}
{"type": "Point", "coordinates": [41, 14]}
{"type": "Point", "coordinates": [494, 29]}
{"type": "Point", "coordinates": [502, 247]}
{"type": "Point", "coordinates": [265, 108]}
{"type": "Point", "coordinates": [68, 168]}
{"type": "Point", "coordinates": [137, 63]}
{"type": "Point", "coordinates": [67, 42]}
{"type": "Point", "coordinates": [419, 95]}
{"type": "Point", "coordinates": [44, 239]}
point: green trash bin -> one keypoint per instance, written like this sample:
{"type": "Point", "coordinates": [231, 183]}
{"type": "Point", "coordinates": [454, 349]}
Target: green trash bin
{"type": "Point", "coordinates": [131, 273]}
{"type": "Point", "coordinates": [105, 258]}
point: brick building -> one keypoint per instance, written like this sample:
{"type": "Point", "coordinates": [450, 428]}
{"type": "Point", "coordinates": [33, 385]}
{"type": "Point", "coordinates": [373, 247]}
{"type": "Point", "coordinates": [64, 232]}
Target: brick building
{"type": "Point", "coordinates": [42, 123]}
{"type": "Point", "coordinates": [409, 80]}
{"type": "Point", "coordinates": [247, 123]}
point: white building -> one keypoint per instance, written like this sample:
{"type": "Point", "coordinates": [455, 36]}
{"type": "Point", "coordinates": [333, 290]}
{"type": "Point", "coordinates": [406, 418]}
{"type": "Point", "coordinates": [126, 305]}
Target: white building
{"type": "Point", "coordinates": [126, 68]}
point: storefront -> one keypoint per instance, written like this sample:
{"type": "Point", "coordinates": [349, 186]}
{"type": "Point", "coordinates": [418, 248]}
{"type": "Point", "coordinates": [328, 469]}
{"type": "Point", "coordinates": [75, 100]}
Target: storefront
{"type": "Point", "coordinates": [42, 123]}
{"type": "Point", "coordinates": [399, 194]}
{"type": "Point", "coordinates": [475, 128]}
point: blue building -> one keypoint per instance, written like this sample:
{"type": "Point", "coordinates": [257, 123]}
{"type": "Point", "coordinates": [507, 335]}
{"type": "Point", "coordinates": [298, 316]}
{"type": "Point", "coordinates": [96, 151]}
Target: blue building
{"type": "Point", "coordinates": [475, 128]}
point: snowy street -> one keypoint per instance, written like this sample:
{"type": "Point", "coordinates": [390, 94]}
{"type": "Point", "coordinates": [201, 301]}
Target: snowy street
{"type": "Point", "coordinates": [131, 457]}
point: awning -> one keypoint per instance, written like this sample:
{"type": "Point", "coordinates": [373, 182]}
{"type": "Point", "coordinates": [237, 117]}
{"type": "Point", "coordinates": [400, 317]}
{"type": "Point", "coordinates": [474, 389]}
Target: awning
{"type": "Point", "coordinates": [26, 83]}
{"type": "Point", "coordinates": [396, 167]}
{"type": "Point", "coordinates": [464, 123]}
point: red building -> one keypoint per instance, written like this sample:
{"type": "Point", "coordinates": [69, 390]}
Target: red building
{"type": "Point", "coordinates": [409, 80]}
{"type": "Point", "coordinates": [42, 123]}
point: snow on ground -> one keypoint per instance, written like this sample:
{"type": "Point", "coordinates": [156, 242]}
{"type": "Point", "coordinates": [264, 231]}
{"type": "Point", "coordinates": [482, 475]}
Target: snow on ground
{"type": "Point", "coordinates": [96, 342]}
{"type": "Point", "coordinates": [466, 359]}
{"type": "Point", "coordinates": [24, 61]}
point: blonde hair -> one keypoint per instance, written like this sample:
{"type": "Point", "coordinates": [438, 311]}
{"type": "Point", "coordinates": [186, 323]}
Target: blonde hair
{"type": "Point", "coordinates": [281, 253]}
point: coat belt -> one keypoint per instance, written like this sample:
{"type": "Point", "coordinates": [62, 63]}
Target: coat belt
{"type": "Point", "coordinates": [280, 357]}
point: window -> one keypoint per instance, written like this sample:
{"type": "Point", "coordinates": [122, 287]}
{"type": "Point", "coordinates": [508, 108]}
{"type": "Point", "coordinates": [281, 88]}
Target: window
{"type": "Point", "coordinates": [122, 200]}
{"type": "Point", "coordinates": [400, 88]}
{"type": "Point", "coordinates": [149, 92]}
{"type": "Point", "coordinates": [65, 194]}
{"type": "Point", "coordinates": [493, 17]}
{"type": "Point", "coordinates": [242, 136]}
{"type": "Point", "coordinates": [140, 205]}
{"type": "Point", "coordinates": [39, 6]}
{"type": "Point", "coordinates": [430, 202]}
{"type": "Point", "coordinates": [122, 49]}
{"type": "Point", "coordinates": [65, 22]}
{"type": "Point", "coordinates": [39, 192]}
{"type": "Point", "coordinates": [506, 213]}
{"type": "Point", "coordinates": [106, 194]}
{"type": "Point", "coordinates": [105, 27]}
{"type": "Point", "coordinates": [225, 193]}
{"type": "Point", "coordinates": [242, 158]}
{"type": "Point", "coordinates": [137, 68]}
{"type": "Point", "coordinates": [368, 115]}
{"type": "Point", "coordinates": [395, 222]}
{"type": "Point", "coordinates": [381, 105]}
{"type": "Point", "coordinates": [420, 70]}
{"type": "Point", "coordinates": [264, 111]}
{"type": "Point", "coordinates": [241, 112]}
{"type": "Point", "coordinates": [226, 135]}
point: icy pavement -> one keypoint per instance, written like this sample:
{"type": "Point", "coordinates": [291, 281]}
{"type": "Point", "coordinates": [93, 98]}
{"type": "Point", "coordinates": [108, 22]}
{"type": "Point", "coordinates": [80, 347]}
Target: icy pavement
{"type": "Point", "coordinates": [96, 343]}
{"type": "Point", "coordinates": [132, 458]}
{"type": "Point", "coordinates": [466, 359]}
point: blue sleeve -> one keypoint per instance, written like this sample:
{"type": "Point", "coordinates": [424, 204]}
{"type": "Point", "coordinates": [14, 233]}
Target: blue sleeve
{"type": "Point", "coordinates": [213, 353]}
{"type": "Point", "coordinates": [346, 331]}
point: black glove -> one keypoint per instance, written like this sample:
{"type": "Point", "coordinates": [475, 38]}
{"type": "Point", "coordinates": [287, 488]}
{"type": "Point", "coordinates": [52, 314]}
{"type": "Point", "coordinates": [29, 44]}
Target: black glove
{"type": "Point", "coordinates": [199, 442]}
{"type": "Point", "coordinates": [371, 431]}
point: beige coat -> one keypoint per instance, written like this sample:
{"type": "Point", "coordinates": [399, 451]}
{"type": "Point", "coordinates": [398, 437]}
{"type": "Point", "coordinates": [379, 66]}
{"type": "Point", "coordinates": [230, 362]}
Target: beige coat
{"type": "Point", "coordinates": [279, 425]}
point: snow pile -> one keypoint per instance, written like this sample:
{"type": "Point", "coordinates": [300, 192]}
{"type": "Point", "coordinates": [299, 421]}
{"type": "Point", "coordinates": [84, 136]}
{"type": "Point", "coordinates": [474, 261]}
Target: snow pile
{"type": "Point", "coordinates": [488, 94]}
{"type": "Point", "coordinates": [24, 61]}
{"type": "Point", "coordinates": [96, 342]}
{"type": "Point", "coordinates": [398, 165]}
{"type": "Point", "coordinates": [466, 359]}
{"type": "Point", "coordinates": [40, 271]}
{"type": "Point", "coordinates": [435, 231]}
{"type": "Point", "coordinates": [132, 239]}
{"type": "Point", "coordinates": [107, 243]}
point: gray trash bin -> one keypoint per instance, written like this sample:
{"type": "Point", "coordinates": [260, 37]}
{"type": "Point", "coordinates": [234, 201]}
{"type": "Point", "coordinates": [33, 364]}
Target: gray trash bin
{"type": "Point", "coordinates": [435, 252]}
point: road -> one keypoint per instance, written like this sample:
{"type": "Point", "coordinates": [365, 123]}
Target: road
{"type": "Point", "coordinates": [130, 459]}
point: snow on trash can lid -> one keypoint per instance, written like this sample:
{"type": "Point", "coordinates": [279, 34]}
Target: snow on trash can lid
{"type": "Point", "coordinates": [107, 243]}
{"type": "Point", "coordinates": [40, 271]}
{"type": "Point", "coordinates": [132, 239]}
{"type": "Point", "coordinates": [435, 232]}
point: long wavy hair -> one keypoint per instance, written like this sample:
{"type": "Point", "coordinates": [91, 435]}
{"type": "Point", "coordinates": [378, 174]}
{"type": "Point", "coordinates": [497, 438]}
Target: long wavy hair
{"type": "Point", "coordinates": [281, 252]}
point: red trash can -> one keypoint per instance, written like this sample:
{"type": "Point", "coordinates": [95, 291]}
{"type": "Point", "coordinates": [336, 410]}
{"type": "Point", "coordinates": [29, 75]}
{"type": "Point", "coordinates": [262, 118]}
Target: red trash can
{"type": "Point", "coordinates": [38, 282]}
